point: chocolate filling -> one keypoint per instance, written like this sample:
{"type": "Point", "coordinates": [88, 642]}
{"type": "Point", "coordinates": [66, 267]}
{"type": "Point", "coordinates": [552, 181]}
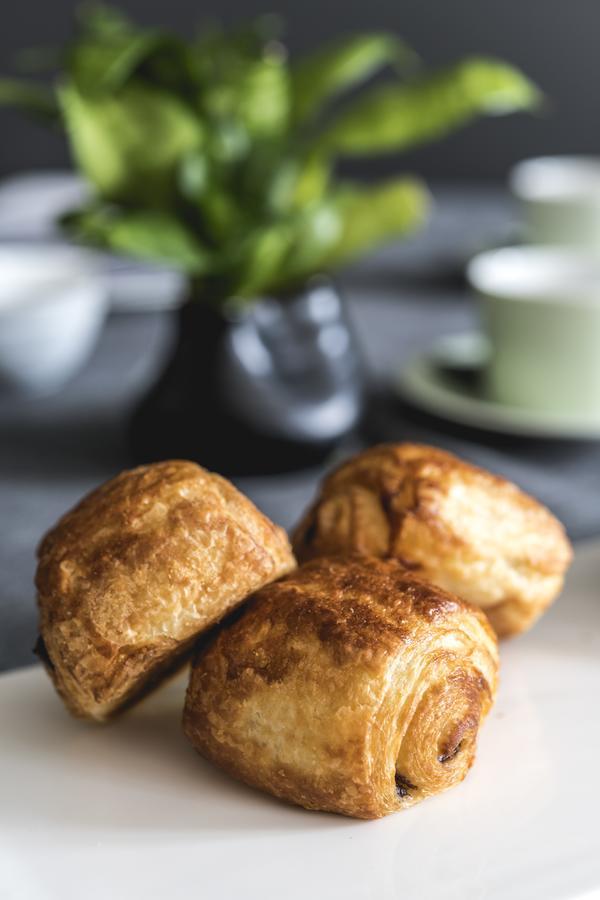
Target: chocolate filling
{"type": "Point", "coordinates": [42, 654]}
{"type": "Point", "coordinates": [404, 786]}
{"type": "Point", "coordinates": [450, 754]}
{"type": "Point", "coordinates": [311, 532]}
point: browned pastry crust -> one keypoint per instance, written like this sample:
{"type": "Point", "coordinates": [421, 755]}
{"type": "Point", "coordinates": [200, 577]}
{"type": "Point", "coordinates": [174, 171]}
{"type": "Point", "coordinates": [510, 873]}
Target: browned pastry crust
{"type": "Point", "coordinates": [128, 578]}
{"type": "Point", "coordinates": [461, 527]}
{"type": "Point", "coordinates": [351, 685]}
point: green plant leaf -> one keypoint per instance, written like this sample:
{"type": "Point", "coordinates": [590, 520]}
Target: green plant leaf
{"type": "Point", "coordinates": [156, 235]}
{"type": "Point", "coordinates": [313, 179]}
{"type": "Point", "coordinates": [315, 231]}
{"type": "Point", "coordinates": [372, 215]}
{"type": "Point", "coordinates": [257, 261]}
{"type": "Point", "coordinates": [397, 116]}
{"type": "Point", "coordinates": [252, 95]}
{"type": "Point", "coordinates": [340, 66]}
{"type": "Point", "coordinates": [146, 234]}
{"type": "Point", "coordinates": [220, 214]}
{"type": "Point", "coordinates": [214, 208]}
{"type": "Point", "coordinates": [264, 101]}
{"type": "Point", "coordinates": [109, 48]}
{"type": "Point", "coordinates": [102, 20]}
{"type": "Point", "coordinates": [218, 155]}
{"type": "Point", "coordinates": [193, 175]}
{"type": "Point", "coordinates": [34, 99]}
{"type": "Point", "coordinates": [228, 140]}
{"type": "Point", "coordinates": [290, 183]}
{"type": "Point", "coordinates": [130, 144]}
{"type": "Point", "coordinates": [103, 66]}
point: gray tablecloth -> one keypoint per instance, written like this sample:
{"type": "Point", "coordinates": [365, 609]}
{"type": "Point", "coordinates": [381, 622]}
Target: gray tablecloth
{"type": "Point", "coordinates": [55, 449]}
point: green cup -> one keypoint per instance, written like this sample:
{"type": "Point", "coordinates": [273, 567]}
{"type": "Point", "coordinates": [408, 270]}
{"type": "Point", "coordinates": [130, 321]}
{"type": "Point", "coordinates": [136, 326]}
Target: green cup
{"type": "Point", "coordinates": [540, 308]}
{"type": "Point", "coordinates": [559, 200]}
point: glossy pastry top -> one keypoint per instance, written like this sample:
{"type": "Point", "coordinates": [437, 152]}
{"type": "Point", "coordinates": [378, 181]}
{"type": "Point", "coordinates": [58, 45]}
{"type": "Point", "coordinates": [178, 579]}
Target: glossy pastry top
{"type": "Point", "coordinates": [357, 605]}
{"type": "Point", "coordinates": [350, 685]}
{"type": "Point", "coordinates": [142, 565]}
{"type": "Point", "coordinates": [462, 527]}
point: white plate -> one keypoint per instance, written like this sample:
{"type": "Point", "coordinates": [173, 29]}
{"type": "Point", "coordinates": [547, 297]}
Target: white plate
{"type": "Point", "coordinates": [129, 810]}
{"type": "Point", "coordinates": [445, 381]}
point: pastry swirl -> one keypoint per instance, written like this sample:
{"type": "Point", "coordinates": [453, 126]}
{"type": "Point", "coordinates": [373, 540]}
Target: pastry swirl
{"type": "Point", "coordinates": [128, 578]}
{"type": "Point", "coordinates": [461, 527]}
{"type": "Point", "coordinates": [350, 685]}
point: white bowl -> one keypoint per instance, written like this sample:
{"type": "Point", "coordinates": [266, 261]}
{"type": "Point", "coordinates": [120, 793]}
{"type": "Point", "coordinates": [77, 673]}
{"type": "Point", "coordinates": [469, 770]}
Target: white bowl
{"type": "Point", "coordinates": [32, 202]}
{"type": "Point", "coordinates": [52, 308]}
{"type": "Point", "coordinates": [560, 199]}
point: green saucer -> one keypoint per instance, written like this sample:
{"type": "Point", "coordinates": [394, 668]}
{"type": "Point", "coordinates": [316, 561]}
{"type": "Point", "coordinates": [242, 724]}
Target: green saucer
{"type": "Point", "coordinates": [447, 382]}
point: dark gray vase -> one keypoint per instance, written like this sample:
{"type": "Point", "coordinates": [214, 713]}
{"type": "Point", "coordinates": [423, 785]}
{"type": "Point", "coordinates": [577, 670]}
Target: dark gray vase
{"type": "Point", "coordinates": [272, 389]}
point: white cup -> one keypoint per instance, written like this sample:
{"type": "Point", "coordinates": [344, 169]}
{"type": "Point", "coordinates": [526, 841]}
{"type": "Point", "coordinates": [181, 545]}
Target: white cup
{"type": "Point", "coordinates": [559, 197]}
{"type": "Point", "coordinates": [52, 308]}
{"type": "Point", "coordinates": [540, 308]}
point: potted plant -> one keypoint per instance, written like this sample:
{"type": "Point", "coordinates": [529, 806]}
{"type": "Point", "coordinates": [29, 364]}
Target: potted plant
{"type": "Point", "coordinates": [218, 154]}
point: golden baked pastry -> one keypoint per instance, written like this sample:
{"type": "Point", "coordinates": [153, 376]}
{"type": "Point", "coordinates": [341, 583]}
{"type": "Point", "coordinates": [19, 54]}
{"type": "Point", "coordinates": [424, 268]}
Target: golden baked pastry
{"type": "Point", "coordinates": [459, 526]}
{"type": "Point", "coordinates": [351, 685]}
{"type": "Point", "coordinates": [128, 578]}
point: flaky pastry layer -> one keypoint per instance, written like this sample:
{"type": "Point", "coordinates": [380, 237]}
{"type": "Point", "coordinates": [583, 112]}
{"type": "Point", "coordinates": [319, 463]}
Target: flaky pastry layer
{"type": "Point", "coordinates": [128, 578]}
{"type": "Point", "coordinates": [461, 527]}
{"type": "Point", "coordinates": [350, 685]}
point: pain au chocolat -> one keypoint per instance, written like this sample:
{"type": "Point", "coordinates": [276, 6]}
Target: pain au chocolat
{"type": "Point", "coordinates": [459, 526]}
{"type": "Point", "coordinates": [350, 685]}
{"type": "Point", "coordinates": [137, 570]}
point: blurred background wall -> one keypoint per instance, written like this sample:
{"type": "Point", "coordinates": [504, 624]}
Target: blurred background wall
{"type": "Point", "coordinates": [555, 41]}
